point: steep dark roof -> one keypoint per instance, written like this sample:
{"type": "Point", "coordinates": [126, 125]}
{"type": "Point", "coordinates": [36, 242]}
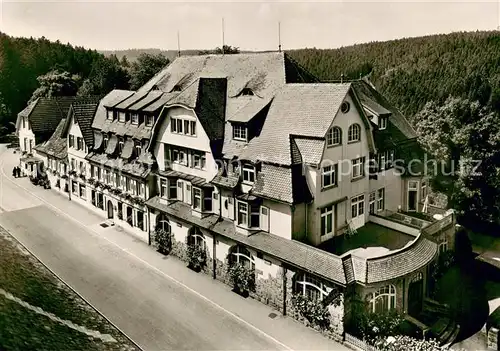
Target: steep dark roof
{"type": "Point", "coordinates": [56, 146]}
{"type": "Point", "coordinates": [46, 113]}
{"type": "Point", "coordinates": [398, 128]}
{"type": "Point", "coordinates": [83, 113]}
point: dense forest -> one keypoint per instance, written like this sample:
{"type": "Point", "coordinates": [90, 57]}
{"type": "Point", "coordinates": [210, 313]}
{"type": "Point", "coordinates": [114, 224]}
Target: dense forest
{"type": "Point", "coordinates": [413, 71]}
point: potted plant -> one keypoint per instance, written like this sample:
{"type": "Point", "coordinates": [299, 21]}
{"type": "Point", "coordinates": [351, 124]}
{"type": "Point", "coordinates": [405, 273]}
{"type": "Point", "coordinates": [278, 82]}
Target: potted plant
{"type": "Point", "coordinates": [197, 257]}
{"type": "Point", "coordinates": [82, 176]}
{"type": "Point", "coordinates": [91, 181]}
{"type": "Point", "coordinates": [240, 277]}
{"type": "Point", "coordinates": [163, 241]}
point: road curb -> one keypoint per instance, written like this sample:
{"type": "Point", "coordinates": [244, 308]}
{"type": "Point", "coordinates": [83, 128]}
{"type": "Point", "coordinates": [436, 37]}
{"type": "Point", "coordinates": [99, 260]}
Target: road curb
{"type": "Point", "coordinates": [74, 291]}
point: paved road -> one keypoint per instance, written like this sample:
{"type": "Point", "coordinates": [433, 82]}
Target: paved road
{"type": "Point", "coordinates": [154, 311]}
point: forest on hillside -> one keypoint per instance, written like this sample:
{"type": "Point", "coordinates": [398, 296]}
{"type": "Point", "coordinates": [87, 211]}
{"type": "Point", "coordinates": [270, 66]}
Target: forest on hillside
{"type": "Point", "coordinates": [413, 71]}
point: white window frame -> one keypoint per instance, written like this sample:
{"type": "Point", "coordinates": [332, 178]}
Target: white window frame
{"type": "Point", "coordinates": [358, 202]}
{"type": "Point", "coordinates": [303, 281]}
{"type": "Point", "coordinates": [172, 184]}
{"type": "Point", "coordinates": [382, 123]}
{"type": "Point", "coordinates": [388, 291]}
{"type": "Point", "coordinates": [192, 128]}
{"type": "Point", "coordinates": [324, 214]}
{"type": "Point", "coordinates": [122, 117]}
{"type": "Point", "coordinates": [109, 115]}
{"type": "Point", "coordinates": [372, 208]}
{"type": "Point", "coordinates": [186, 127]}
{"type": "Point", "coordinates": [354, 133]}
{"type": "Point", "coordinates": [134, 118]}
{"type": "Point", "coordinates": [331, 173]}
{"type": "Point", "coordinates": [357, 168]}
{"type": "Point", "coordinates": [244, 212]}
{"type": "Point", "coordinates": [334, 136]}
{"type": "Point", "coordinates": [164, 223]}
{"type": "Point", "coordinates": [248, 170]}
{"type": "Point", "coordinates": [240, 132]}
{"type": "Point", "coordinates": [196, 190]}
{"type": "Point", "coordinates": [380, 199]}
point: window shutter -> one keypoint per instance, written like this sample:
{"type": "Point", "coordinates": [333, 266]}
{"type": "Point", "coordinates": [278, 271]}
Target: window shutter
{"type": "Point", "coordinates": [264, 218]}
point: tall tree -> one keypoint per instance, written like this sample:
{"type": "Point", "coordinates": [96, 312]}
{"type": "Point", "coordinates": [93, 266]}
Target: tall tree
{"type": "Point", "coordinates": [104, 77]}
{"type": "Point", "coordinates": [461, 135]}
{"type": "Point", "coordinates": [145, 67]}
{"type": "Point", "coordinates": [56, 83]}
{"type": "Point", "coordinates": [124, 62]}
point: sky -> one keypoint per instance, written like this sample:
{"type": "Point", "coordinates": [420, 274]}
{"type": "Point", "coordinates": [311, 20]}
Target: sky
{"type": "Point", "coordinates": [251, 25]}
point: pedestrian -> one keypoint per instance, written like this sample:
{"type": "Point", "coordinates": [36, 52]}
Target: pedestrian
{"type": "Point", "coordinates": [14, 172]}
{"type": "Point", "coordinates": [18, 171]}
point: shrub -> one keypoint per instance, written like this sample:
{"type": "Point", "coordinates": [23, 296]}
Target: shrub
{"type": "Point", "coordinates": [315, 312]}
{"type": "Point", "coordinates": [406, 343]}
{"type": "Point", "coordinates": [163, 241]}
{"type": "Point", "coordinates": [241, 277]}
{"type": "Point", "coordinates": [197, 257]}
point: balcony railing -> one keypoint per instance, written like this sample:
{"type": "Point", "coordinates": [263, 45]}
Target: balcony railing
{"type": "Point", "coordinates": [404, 219]}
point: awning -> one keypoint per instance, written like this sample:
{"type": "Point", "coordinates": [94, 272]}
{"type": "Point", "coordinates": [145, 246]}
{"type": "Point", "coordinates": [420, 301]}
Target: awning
{"type": "Point", "coordinates": [196, 181]}
{"type": "Point", "coordinates": [112, 143]}
{"type": "Point", "coordinates": [128, 149]}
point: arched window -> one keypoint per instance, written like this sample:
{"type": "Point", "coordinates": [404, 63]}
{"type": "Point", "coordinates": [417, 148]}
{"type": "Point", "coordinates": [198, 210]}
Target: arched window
{"type": "Point", "coordinates": [247, 92]}
{"type": "Point", "coordinates": [334, 136]}
{"type": "Point", "coordinates": [240, 254]}
{"type": "Point", "coordinates": [354, 133]}
{"type": "Point", "coordinates": [383, 299]}
{"type": "Point", "coordinates": [311, 286]}
{"type": "Point", "coordinates": [196, 238]}
{"type": "Point", "coordinates": [162, 222]}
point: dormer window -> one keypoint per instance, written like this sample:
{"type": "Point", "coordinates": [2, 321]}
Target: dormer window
{"type": "Point", "coordinates": [115, 114]}
{"type": "Point", "coordinates": [122, 117]}
{"type": "Point", "coordinates": [150, 120]}
{"type": "Point", "coordinates": [135, 118]}
{"type": "Point", "coordinates": [239, 132]}
{"type": "Point", "coordinates": [109, 115]}
{"type": "Point", "coordinates": [248, 174]}
{"type": "Point", "coordinates": [382, 124]}
{"type": "Point", "coordinates": [176, 88]}
{"type": "Point", "coordinates": [247, 92]}
{"type": "Point", "coordinates": [105, 141]}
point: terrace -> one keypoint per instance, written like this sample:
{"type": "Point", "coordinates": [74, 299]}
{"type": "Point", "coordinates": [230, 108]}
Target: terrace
{"type": "Point", "coordinates": [370, 240]}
